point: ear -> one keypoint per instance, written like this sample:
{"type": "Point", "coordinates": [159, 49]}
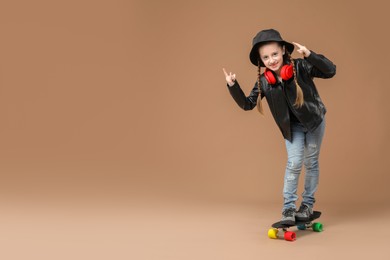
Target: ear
{"type": "Point", "coordinates": [284, 49]}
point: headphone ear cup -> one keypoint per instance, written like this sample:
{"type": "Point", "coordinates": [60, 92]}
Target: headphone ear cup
{"type": "Point", "coordinates": [287, 72]}
{"type": "Point", "coordinates": [269, 77]}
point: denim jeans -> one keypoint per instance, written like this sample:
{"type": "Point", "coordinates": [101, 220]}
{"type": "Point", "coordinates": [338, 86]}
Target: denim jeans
{"type": "Point", "coordinates": [303, 148]}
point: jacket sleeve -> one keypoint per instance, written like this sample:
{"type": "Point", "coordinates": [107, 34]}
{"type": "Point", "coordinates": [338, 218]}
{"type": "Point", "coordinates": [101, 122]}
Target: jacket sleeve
{"type": "Point", "coordinates": [318, 66]}
{"type": "Point", "coordinates": [246, 103]}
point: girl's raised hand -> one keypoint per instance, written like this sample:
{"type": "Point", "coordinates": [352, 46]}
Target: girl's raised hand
{"type": "Point", "coordinates": [302, 49]}
{"type": "Point", "coordinates": [230, 78]}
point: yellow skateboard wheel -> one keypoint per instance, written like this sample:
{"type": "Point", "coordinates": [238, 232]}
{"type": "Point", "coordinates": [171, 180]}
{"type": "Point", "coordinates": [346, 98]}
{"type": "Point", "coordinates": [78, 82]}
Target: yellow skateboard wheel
{"type": "Point", "coordinates": [273, 233]}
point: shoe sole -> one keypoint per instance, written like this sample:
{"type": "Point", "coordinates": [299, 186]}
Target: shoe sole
{"type": "Point", "coordinates": [287, 222]}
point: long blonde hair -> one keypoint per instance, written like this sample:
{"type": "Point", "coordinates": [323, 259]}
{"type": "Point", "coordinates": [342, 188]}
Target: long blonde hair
{"type": "Point", "coordinates": [299, 99]}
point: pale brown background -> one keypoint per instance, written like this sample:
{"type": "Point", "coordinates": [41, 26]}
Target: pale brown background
{"type": "Point", "coordinates": [110, 108]}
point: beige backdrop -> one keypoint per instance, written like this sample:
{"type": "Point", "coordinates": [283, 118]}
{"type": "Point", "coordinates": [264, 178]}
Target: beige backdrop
{"type": "Point", "coordinates": [121, 99]}
{"type": "Point", "coordinates": [120, 140]}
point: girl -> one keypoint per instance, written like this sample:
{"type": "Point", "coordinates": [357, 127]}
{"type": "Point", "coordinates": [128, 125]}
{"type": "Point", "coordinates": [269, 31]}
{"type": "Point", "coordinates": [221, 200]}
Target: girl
{"type": "Point", "coordinates": [287, 84]}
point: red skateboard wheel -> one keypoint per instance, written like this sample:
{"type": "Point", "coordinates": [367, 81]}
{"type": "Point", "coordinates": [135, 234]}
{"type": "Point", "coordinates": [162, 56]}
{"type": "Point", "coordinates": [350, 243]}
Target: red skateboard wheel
{"type": "Point", "coordinates": [289, 236]}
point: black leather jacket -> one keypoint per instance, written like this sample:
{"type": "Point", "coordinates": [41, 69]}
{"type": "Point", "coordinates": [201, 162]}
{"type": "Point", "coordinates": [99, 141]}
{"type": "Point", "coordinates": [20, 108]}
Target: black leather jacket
{"type": "Point", "coordinates": [281, 96]}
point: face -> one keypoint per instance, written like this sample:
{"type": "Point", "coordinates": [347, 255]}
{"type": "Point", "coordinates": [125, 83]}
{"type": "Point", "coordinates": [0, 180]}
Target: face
{"type": "Point", "coordinates": [272, 56]}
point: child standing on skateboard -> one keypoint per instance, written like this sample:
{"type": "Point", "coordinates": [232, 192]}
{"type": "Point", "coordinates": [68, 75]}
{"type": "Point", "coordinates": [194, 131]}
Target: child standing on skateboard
{"type": "Point", "coordinates": [293, 99]}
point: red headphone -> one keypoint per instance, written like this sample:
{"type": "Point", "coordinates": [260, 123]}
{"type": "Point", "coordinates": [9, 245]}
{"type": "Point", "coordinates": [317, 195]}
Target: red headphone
{"type": "Point", "coordinates": [286, 73]}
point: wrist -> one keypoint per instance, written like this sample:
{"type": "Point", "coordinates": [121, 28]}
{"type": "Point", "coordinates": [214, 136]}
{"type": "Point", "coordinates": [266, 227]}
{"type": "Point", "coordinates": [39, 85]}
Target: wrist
{"type": "Point", "coordinates": [231, 83]}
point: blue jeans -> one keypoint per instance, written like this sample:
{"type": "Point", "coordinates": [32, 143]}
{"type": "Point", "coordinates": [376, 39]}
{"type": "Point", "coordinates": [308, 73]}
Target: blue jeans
{"type": "Point", "coordinates": [304, 148]}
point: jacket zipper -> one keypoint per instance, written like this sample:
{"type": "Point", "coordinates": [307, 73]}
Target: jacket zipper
{"type": "Point", "coordinates": [273, 106]}
{"type": "Point", "coordinates": [291, 106]}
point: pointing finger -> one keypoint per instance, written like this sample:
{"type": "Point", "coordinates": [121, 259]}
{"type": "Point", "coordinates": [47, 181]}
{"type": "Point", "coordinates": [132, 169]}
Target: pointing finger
{"type": "Point", "coordinates": [297, 44]}
{"type": "Point", "coordinates": [224, 71]}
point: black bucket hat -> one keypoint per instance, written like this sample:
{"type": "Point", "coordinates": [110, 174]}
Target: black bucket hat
{"type": "Point", "coordinates": [269, 35]}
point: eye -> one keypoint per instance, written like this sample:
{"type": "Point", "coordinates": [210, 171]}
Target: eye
{"type": "Point", "coordinates": [275, 54]}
